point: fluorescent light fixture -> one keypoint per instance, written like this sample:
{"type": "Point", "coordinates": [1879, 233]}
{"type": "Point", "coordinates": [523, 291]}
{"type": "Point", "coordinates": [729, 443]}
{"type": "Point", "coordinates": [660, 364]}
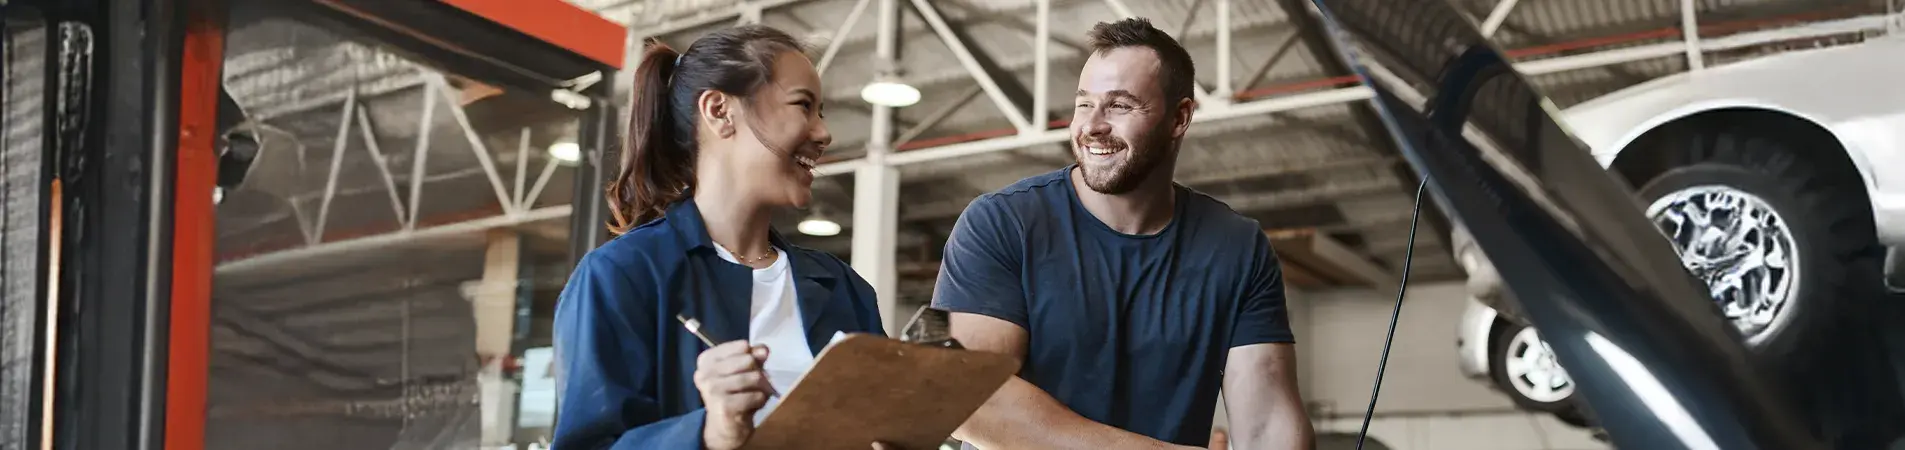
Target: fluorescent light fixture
{"type": "Point", "coordinates": [890, 92]}
{"type": "Point", "coordinates": [818, 226]}
{"type": "Point", "coordinates": [566, 151]}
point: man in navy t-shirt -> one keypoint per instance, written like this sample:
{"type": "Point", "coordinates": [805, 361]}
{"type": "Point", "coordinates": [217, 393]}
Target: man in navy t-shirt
{"type": "Point", "coordinates": [1131, 299]}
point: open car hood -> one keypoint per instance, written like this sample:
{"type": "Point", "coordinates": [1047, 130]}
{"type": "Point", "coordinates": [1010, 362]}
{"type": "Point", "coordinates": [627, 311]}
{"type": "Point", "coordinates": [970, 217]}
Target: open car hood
{"type": "Point", "coordinates": [1654, 359]}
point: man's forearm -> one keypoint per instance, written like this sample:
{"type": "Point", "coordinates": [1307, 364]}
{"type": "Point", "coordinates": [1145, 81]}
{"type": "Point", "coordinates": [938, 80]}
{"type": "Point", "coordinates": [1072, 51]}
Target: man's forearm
{"type": "Point", "coordinates": [1020, 415]}
{"type": "Point", "coordinates": [1283, 432]}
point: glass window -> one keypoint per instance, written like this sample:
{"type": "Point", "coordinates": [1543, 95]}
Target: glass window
{"type": "Point", "coordinates": [389, 261]}
{"type": "Point", "coordinates": [23, 192]}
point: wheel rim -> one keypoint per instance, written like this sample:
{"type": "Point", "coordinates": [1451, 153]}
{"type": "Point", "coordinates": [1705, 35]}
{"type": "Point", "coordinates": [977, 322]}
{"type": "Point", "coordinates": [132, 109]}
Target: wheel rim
{"type": "Point", "coordinates": [1533, 370]}
{"type": "Point", "coordinates": [1740, 247]}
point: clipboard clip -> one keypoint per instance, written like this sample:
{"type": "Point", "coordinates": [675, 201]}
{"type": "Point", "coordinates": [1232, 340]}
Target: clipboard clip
{"type": "Point", "coordinates": [921, 329]}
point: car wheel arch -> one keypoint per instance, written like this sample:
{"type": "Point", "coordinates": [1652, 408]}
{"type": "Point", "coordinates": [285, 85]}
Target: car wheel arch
{"type": "Point", "coordinates": [1647, 155]}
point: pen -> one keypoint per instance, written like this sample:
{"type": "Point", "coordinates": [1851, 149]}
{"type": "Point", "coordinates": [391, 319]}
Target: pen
{"type": "Point", "coordinates": [694, 328]}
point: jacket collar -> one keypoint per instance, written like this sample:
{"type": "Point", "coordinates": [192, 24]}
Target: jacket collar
{"type": "Point", "coordinates": [813, 281]}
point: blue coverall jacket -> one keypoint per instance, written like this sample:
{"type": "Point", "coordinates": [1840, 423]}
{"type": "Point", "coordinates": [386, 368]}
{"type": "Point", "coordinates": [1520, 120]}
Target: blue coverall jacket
{"type": "Point", "coordinates": [626, 366]}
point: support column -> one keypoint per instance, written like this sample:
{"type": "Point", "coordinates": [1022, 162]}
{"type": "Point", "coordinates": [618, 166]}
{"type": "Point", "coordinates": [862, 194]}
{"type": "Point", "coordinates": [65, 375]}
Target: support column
{"type": "Point", "coordinates": [876, 195]}
{"type": "Point", "coordinates": [1690, 32]}
{"type": "Point", "coordinates": [1224, 56]}
{"type": "Point", "coordinates": [876, 192]}
{"type": "Point", "coordinates": [494, 302]}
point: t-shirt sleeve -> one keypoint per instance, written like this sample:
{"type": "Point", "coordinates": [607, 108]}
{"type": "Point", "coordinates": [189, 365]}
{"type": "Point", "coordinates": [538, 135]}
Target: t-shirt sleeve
{"type": "Point", "coordinates": [1262, 317]}
{"type": "Point", "coordinates": [979, 271]}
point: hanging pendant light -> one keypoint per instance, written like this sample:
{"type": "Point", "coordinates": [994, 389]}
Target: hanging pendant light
{"type": "Point", "coordinates": [887, 90]}
{"type": "Point", "coordinates": [818, 225]}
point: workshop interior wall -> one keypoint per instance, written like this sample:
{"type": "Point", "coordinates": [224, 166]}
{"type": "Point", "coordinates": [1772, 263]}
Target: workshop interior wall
{"type": "Point", "coordinates": [1426, 402]}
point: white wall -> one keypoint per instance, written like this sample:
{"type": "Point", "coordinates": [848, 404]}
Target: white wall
{"type": "Point", "coordinates": [1344, 337]}
{"type": "Point", "coordinates": [1426, 403]}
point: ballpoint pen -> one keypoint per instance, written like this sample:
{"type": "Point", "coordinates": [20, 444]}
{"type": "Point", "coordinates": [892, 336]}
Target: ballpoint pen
{"type": "Point", "coordinates": [694, 327]}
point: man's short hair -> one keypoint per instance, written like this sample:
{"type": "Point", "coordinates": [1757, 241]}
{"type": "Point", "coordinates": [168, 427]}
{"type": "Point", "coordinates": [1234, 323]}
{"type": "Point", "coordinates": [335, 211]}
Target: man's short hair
{"type": "Point", "coordinates": [1176, 71]}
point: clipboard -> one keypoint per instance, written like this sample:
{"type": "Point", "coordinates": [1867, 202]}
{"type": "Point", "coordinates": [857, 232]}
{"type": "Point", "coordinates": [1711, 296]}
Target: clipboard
{"type": "Point", "coordinates": [867, 388]}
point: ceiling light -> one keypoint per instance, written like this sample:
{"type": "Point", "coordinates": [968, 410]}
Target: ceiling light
{"type": "Point", "coordinates": [890, 92]}
{"type": "Point", "coordinates": [818, 226]}
{"type": "Point", "coordinates": [218, 195]}
{"type": "Point", "coordinates": [566, 151]}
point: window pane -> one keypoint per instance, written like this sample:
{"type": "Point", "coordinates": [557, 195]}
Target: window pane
{"type": "Point", "coordinates": [386, 255]}
{"type": "Point", "coordinates": [22, 188]}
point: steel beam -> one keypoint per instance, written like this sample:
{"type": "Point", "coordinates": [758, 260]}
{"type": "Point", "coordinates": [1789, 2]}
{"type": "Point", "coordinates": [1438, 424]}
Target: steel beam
{"type": "Point", "coordinates": [1690, 32]}
{"type": "Point", "coordinates": [522, 167]}
{"type": "Point", "coordinates": [337, 165]}
{"type": "Point", "coordinates": [298, 255]}
{"type": "Point", "coordinates": [839, 38]}
{"type": "Point", "coordinates": [1283, 49]}
{"type": "Point", "coordinates": [1350, 94]}
{"type": "Point", "coordinates": [1855, 25]}
{"type": "Point", "coordinates": [420, 156]}
{"type": "Point", "coordinates": [476, 145]}
{"type": "Point", "coordinates": [1010, 19]}
{"type": "Point", "coordinates": [383, 166]}
{"type": "Point", "coordinates": [1205, 114]}
{"type": "Point", "coordinates": [1204, 96]}
{"type": "Point", "coordinates": [980, 73]}
{"type": "Point", "coordinates": [937, 116]}
{"type": "Point", "coordinates": [709, 17]}
{"type": "Point", "coordinates": [542, 180]}
{"type": "Point", "coordinates": [1190, 18]}
{"type": "Point", "coordinates": [1497, 16]}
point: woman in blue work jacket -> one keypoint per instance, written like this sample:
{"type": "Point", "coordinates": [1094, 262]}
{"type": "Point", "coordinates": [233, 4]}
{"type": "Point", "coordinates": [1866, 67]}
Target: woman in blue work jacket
{"type": "Point", "coordinates": [719, 136]}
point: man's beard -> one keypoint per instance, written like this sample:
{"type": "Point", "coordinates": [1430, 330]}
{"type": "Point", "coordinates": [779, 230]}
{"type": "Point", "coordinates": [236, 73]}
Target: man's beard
{"type": "Point", "coordinates": [1139, 162]}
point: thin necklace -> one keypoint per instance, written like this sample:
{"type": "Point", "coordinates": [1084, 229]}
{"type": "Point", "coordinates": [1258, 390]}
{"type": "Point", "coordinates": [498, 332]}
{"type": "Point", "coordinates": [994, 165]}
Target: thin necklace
{"type": "Point", "coordinates": [749, 260]}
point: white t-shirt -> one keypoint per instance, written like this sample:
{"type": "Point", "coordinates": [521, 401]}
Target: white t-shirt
{"type": "Point", "coordinates": [774, 321]}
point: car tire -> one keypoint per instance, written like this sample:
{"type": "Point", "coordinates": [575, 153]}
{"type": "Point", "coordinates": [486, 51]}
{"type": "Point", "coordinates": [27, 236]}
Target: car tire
{"type": "Point", "coordinates": [1522, 365]}
{"type": "Point", "coordinates": [1830, 237]}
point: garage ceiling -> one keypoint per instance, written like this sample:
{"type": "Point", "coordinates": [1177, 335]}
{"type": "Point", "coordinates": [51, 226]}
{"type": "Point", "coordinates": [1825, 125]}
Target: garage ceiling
{"type": "Point", "coordinates": [1314, 168]}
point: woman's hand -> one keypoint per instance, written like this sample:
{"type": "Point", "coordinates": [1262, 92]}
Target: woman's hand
{"type": "Point", "coordinates": [732, 388]}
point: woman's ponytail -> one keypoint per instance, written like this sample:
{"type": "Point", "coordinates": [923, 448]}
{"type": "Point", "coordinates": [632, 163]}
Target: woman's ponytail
{"type": "Point", "coordinates": [658, 158]}
{"type": "Point", "coordinates": [655, 172]}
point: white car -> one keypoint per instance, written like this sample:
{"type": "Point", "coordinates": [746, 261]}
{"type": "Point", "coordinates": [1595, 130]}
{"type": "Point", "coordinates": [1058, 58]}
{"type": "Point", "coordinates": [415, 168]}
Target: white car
{"type": "Point", "coordinates": [1780, 180]}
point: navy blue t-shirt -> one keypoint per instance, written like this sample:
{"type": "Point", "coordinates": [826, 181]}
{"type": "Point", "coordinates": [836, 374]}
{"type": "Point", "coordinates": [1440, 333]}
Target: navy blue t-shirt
{"type": "Point", "coordinates": [1127, 330]}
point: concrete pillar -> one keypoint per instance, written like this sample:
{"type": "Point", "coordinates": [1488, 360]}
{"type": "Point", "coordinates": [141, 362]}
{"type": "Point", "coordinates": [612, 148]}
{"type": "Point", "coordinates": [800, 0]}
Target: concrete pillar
{"type": "Point", "coordinates": [494, 302]}
{"type": "Point", "coordinates": [875, 235]}
{"type": "Point", "coordinates": [876, 191]}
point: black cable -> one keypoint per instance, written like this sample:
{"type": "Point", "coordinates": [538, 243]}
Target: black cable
{"type": "Point", "coordinates": [1401, 288]}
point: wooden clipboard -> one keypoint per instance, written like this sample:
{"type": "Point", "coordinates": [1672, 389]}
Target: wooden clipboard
{"type": "Point", "coordinates": [867, 388]}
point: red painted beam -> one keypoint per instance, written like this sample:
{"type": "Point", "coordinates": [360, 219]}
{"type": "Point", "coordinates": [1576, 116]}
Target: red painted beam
{"type": "Point", "coordinates": [556, 22]}
{"type": "Point", "coordinates": [188, 344]}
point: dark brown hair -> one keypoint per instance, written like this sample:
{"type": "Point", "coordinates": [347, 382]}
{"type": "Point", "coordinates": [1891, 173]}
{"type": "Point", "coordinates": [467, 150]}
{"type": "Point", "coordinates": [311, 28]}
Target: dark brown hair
{"type": "Point", "coordinates": [658, 159]}
{"type": "Point", "coordinates": [1176, 70]}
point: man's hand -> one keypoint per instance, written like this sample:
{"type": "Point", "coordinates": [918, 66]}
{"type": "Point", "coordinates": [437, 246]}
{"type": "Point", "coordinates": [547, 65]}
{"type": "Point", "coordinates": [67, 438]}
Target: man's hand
{"type": "Point", "coordinates": [1019, 415]}
{"type": "Point", "coordinates": [732, 388]}
{"type": "Point", "coordinates": [1219, 439]}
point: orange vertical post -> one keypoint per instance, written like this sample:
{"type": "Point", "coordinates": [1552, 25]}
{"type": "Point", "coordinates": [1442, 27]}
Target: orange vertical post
{"type": "Point", "coordinates": [189, 342]}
